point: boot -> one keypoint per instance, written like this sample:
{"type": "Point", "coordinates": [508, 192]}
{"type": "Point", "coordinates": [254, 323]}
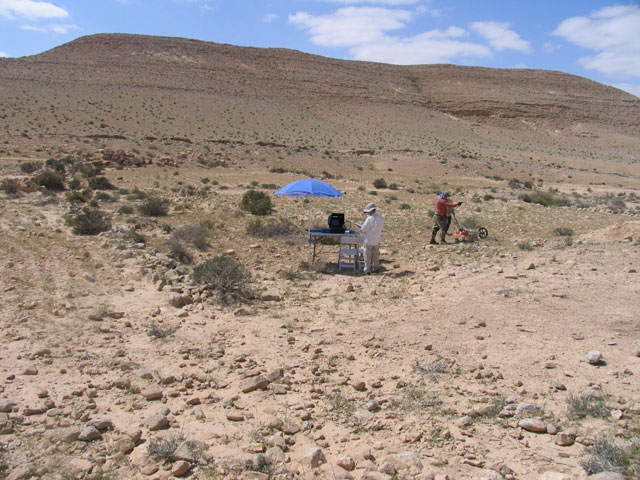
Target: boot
{"type": "Point", "coordinates": [433, 241]}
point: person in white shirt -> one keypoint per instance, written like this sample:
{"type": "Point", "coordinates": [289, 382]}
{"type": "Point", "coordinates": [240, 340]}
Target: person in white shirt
{"type": "Point", "coordinates": [372, 230]}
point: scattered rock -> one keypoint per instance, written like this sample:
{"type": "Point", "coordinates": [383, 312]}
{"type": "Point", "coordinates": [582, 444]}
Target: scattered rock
{"type": "Point", "coordinates": [594, 357]}
{"type": "Point", "coordinates": [89, 434]}
{"type": "Point", "coordinates": [347, 462]}
{"type": "Point", "coordinates": [7, 406]}
{"type": "Point", "coordinates": [533, 425]}
{"type": "Point", "coordinates": [314, 458]}
{"type": "Point", "coordinates": [153, 393]}
{"type": "Point", "coordinates": [156, 422]}
{"type": "Point", "coordinates": [254, 383]}
{"type": "Point", "coordinates": [180, 468]}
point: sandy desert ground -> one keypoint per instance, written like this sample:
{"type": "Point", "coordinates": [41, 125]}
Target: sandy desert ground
{"type": "Point", "coordinates": [511, 357]}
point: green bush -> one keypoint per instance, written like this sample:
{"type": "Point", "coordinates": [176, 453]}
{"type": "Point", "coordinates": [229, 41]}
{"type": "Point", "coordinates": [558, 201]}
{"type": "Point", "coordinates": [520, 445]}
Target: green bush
{"type": "Point", "coordinates": [526, 246]}
{"type": "Point", "coordinates": [195, 235]}
{"type": "Point", "coordinates": [136, 194]}
{"type": "Point", "coordinates": [30, 167]}
{"type": "Point", "coordinates": [76, 197]}
{"type": "Point", "coordinates": [126, 209]}
{"type": "Point", "coordinates": [380, 183]}
{"type": "Point", "coordinates": [256, 202]}
{"type": "Point", "coordinates": [154, 206]}
{"type": "Point", "coordinates": [104, 197]}
{"type": "Point", "coordinates": [50, 180]}
{"type": "Point", "coordinates": [90, 222]}
{"type": "Point", "coordinates": [272, 228]}
{"type": "Point", "coordinates": [101, 183]}
{"type": "Point", "coordinates": [228, 277]}
{"type": "Point", "coordinates": [563, 232]}
{"type": "Point", "coordinates": [178, 250]}
{"type": "Point", "coordinates": [136, 237]}
{"type": "Point", "coordinates": [56, 165]}
{"type": "Point", "coordinates": [614, 455]}
{"type": "Point", "coordinates": [75, 183]}
{"type": "Point", "coordinates": [161, 449]}
{"type": "Point", "coordinates": [546, 199]}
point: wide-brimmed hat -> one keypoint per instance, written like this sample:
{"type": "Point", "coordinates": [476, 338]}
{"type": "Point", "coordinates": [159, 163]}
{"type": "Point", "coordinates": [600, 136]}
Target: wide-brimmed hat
{"type": "Point", "coordinates": [370, 208]}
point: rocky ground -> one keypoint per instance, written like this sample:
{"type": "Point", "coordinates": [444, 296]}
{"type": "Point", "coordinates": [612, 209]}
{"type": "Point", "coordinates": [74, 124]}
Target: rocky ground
{"type": "Point", "coordinates": [510, 357]}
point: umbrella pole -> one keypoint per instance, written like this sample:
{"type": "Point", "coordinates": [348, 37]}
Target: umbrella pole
{"type": "Point", "coordinates": [309, 233]}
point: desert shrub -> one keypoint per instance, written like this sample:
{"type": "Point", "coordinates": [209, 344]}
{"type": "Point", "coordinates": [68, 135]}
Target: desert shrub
{"type": "Point", "coordinates": [271, 228]}
{"type": "Point", "coordinates": [525, 246]}
{"type": "Point", "coordinates": [617, 205]}
{"type": "Point", "coordinates": [614, 455]}
{"type": "Point", "coordinates": [50, 180]}
{"type": "Point", "coordinates": [90, 221]}
{"type": "Point", "coordinates": [178, 250]}
{"type": "Point", "coordinates": [195, 235]}
{"type": "Point", "coordinates": [581, 406]}
{"type": "Point", "coordinates": [75, 184]}
{"type": "Point", "coordinates": [488, 197]}
{"type": "Point", "coordinates": [135, 236]}
{"type": "Point", "coordinates": [77, 197]}
{"type": "Point", "coordinates": [29, 167]}
{"type": "Point", "coordinates": [157, 331]}
{"type": "Point", "coordinates": [515, 183]}
{"type": "Point", "coordinates": [164, 449]}
{"type": "Point", "coordinates": [154, 206]}
{"type": "Point", "coordinates": [256, 202]}
{"type": "Point", "coordinates": [104, 197]}
{"type": "Point", "coordinates": [136, 194]}
{"type": "Point", "coordinates": [126, 209]}
{"type": "Point", "coordinates": [101, 183]}
{"type": "Point", "coordinates": [56, 165]}
{"type": "Point", "coordinates": [393, 186]}
{"type": "Point", "coordinates": [10, 186]}
{"type": "Point", "coordinates": [563, 232]}
{"type": "Point", "coordinates": [546, 199]}
{"type": "Point", "coordinates": [380, 183]}
{"type": "Point", "coordinates": [404, 206]}
{"type": "Point", "coordinates": [89, 171]}
{"type": "Point", "coordinates": [227, 276]}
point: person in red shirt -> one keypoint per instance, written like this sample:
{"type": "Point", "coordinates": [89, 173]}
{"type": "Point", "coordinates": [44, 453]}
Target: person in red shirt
{"type": "Point", "coordinates": [442, 217]}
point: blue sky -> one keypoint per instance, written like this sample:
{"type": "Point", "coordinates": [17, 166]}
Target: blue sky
{"type": "Point", "coordinates": [599, 40]}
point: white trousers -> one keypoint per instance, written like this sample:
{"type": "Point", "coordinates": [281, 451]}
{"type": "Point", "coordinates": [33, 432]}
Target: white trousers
{"type": "Point", "coordinates": [371, 258]}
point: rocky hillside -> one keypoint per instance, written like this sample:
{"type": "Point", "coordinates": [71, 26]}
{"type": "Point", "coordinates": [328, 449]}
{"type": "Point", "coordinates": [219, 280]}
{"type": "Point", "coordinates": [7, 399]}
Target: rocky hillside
{"type": "Point", "coordinates": [139, 88]}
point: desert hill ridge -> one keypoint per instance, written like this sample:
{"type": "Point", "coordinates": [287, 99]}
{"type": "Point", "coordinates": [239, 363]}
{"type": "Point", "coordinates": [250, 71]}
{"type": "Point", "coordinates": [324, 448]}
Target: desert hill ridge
{"type": "Point", "coordinates": [120, 84]}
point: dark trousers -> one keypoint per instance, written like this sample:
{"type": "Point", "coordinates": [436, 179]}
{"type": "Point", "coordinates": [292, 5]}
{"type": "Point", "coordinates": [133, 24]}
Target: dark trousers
{"type": "Point", "coordinates": [442, 223]}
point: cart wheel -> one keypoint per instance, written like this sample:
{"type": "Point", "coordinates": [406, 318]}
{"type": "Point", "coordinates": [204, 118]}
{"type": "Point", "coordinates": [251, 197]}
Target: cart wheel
{"type": "Point", "coordinates": [483, 232]}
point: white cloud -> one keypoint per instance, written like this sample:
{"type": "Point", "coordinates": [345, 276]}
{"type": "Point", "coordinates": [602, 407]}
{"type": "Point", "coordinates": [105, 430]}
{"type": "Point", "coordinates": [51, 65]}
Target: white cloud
{"type": "Point", "coordinates": [51, 28]}
{"type": "Point", "coordinates": [270, 17]}
{"type": "Point", "coordinates": [30, 9]}
{"type": "Point", "coordinates": [366, 32]}
{"type": "Point", "coordinates": [351, 25]}
{"type": "Point", "coordinates": [611, 31]}
{"type": "Point", "coordinates": [501, 37]}
{"type": "Point", "coordinates": [430, 47]}
{"type": "Point", "coordinates": [3, 55]}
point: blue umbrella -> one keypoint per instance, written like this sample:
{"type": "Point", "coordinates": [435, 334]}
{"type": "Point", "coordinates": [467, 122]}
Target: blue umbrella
{"type": "Point", "coordinates": [308, 187]}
